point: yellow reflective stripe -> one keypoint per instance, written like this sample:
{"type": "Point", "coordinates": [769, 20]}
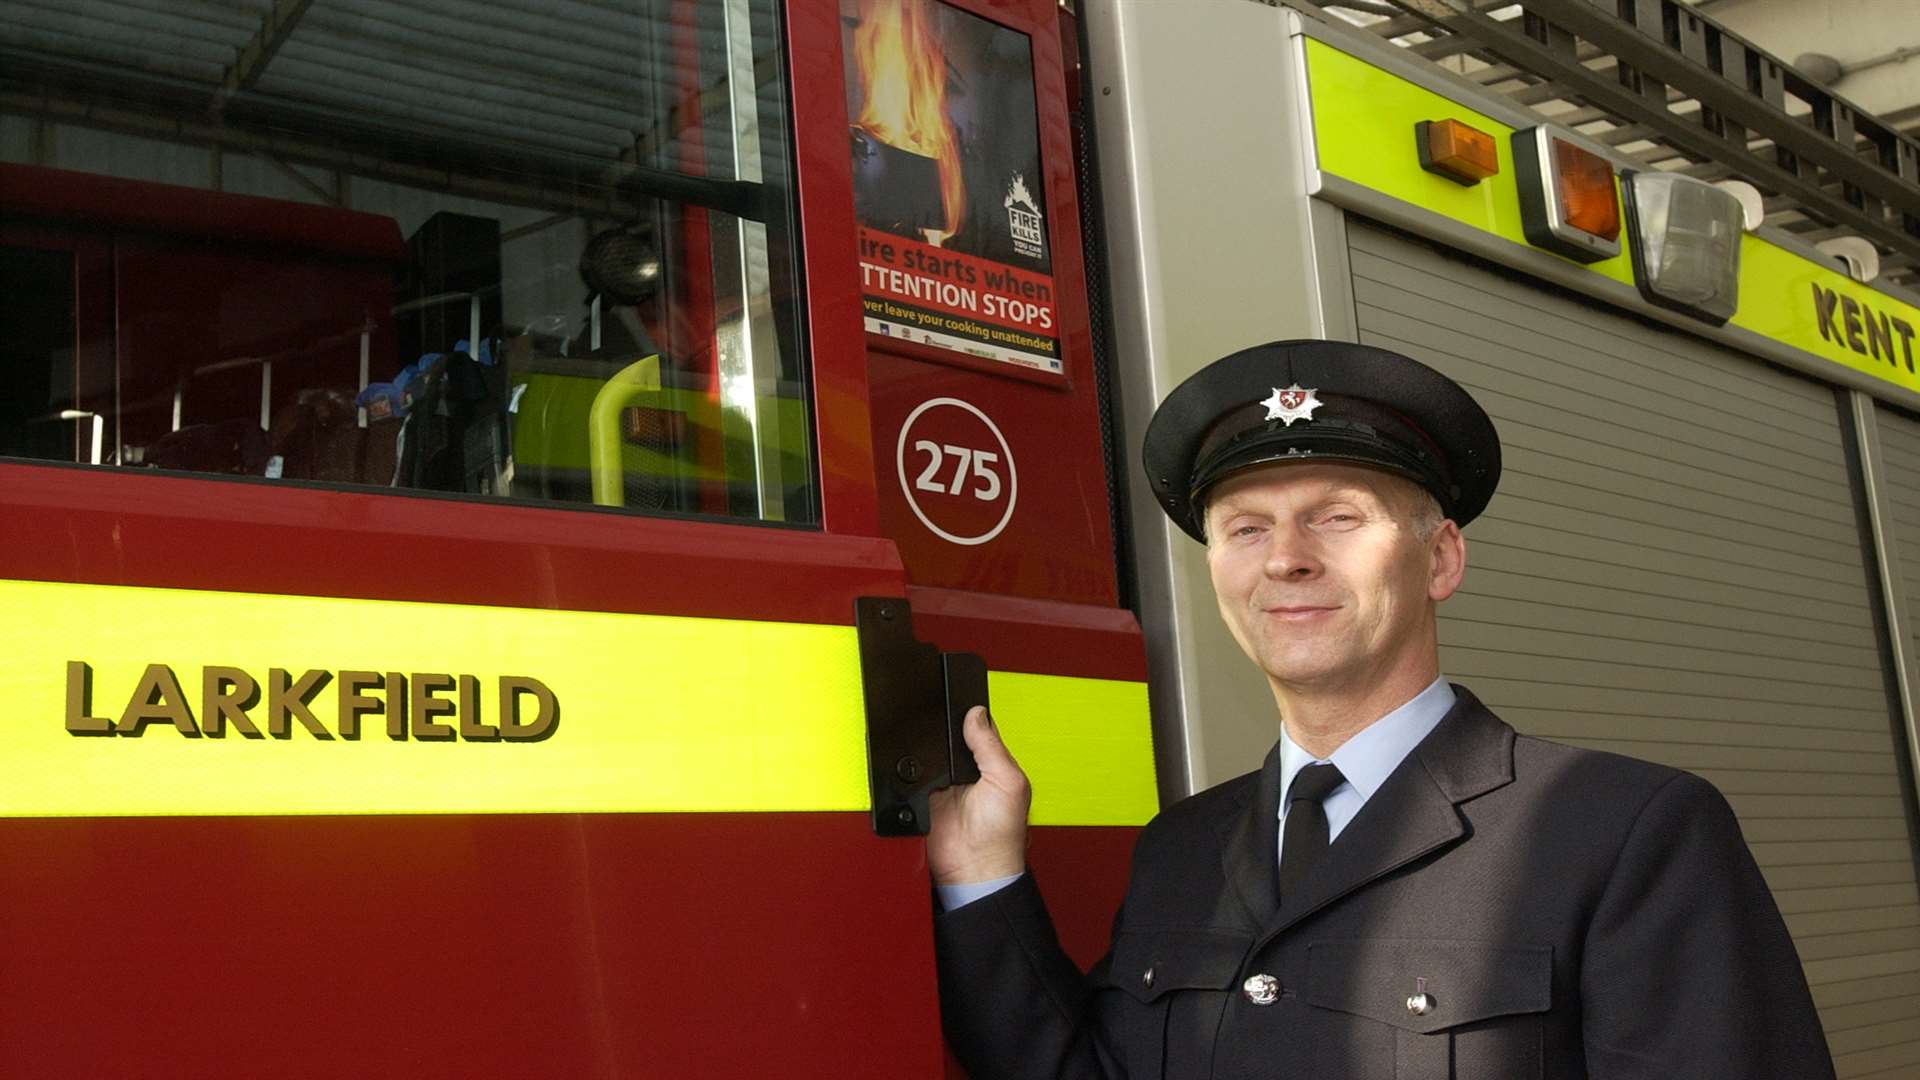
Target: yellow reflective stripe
{"type": "Point", "coordinates": [656, 713]}
{"type": "Point", "coordinates": [1777, 300]}
{"type": "Point", "coordinates": [1085, 743]}
{"type": "Point", "coordinates": [1374, 147]}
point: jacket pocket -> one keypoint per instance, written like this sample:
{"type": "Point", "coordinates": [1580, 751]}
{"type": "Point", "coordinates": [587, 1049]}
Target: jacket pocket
{"type": "Point", "coordinates": [1171, 987]}
{"type": "Point", "coordinates": [1457, 1010]}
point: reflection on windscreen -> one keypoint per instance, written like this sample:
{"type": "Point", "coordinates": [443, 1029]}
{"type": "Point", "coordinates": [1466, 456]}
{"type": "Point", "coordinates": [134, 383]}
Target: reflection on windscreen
{"type": "Point", "coordinates": [561, 274]}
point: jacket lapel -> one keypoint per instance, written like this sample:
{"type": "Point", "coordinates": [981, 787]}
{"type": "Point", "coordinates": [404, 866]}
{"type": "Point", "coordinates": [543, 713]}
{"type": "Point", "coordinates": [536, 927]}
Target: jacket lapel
{"type": "Point", "coordinates": [1250, 840]}
{"type": "Point", "coordinates": [1413, 814]}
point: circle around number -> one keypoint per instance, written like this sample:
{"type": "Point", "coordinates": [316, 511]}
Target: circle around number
{"type": "Point", "coordinates": [1006, 455]}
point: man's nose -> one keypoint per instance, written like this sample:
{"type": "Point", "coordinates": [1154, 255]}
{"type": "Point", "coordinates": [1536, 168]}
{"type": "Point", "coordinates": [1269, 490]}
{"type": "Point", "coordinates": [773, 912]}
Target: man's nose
{"type": "Point", "coordinates": [1291, 554]}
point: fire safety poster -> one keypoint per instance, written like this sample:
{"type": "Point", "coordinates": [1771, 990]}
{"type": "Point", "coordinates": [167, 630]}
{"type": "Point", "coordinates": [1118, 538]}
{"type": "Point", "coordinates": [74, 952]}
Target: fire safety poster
{"type": "Point", "coordinates": [946, 182]}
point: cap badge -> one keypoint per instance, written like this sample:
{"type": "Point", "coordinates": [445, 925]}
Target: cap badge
{"type": "Point", "coordinates": [1291, 404]}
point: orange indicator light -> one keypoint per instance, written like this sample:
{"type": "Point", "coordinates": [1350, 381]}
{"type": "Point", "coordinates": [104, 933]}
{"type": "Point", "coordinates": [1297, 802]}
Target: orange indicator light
{"type": "Point", "coordinates": [1568, 202]}
{"type": "Point", "coordinates": [1588, 200]}
{"type": "Point", "coordinates": [1460, 153]}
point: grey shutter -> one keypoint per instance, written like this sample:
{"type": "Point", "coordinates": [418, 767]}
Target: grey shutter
{"type": "Point", "coordinates": [1673, 570]}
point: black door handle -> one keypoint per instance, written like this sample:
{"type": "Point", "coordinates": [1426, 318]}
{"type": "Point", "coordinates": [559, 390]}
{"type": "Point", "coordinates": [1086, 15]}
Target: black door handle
{"type": "Point", "coordinates": [916, 697]}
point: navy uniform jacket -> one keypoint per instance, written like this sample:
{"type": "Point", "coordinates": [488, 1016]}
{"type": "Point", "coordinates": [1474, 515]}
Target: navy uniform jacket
{"type": "Point", "coordinates": [1573, 914]}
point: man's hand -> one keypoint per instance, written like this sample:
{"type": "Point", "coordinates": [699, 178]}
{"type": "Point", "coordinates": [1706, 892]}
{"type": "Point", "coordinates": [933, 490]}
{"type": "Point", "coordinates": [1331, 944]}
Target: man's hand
{"type": "Point", "coordinates": [979, 830]}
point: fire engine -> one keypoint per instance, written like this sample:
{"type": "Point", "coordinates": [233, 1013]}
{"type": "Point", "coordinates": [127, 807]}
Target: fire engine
{"type": "Point", "coordinates": [502, 506]}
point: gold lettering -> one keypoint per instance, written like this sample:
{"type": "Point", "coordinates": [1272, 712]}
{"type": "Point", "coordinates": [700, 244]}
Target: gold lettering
{"type": "Point", "coordinates": [1879, 334]}
{"type": "Point", "coordinates": [80, 702]}
{"type": "Point", "coordinates": [435, 708]}
{"type": "Point", "coordinates": [157, 697]}
{"type": "Point", "coordinates": [544, 723]}
{"type": "Point", "coordinates": [471, 729]}
{"type": "Point", "coordinates": [226, 693]}
{"type": "Point", "coordinates": [396, 706]}
{"type": "Point", "coordinates": [354, 704]}
{"type": "Point", "coordinates": [1850, 314]}
{"type": "Point", "coordinates": [1825, 301]}
{"type": "Point", "coordinates": [288, 700]}
{"type": "Point", "coordinates": [425, 705]}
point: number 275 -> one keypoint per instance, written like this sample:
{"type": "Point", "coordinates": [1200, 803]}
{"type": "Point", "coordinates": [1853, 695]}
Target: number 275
{"type": "Point", "coordinates": [966, 463]}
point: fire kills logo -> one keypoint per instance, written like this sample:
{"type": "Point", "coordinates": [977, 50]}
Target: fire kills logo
{"type": "Point", "coordinates": [1023, 220]}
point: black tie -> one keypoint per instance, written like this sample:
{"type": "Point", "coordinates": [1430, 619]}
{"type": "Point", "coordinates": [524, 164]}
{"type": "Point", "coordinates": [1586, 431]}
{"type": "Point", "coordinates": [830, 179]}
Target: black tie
{"type": "Point", "coordinates": [1305, 844]}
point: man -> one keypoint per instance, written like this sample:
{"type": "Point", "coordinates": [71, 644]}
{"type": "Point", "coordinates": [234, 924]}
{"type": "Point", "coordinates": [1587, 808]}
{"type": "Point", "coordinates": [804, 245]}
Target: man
{"type": "Point", "coordinates": [1434, 896]}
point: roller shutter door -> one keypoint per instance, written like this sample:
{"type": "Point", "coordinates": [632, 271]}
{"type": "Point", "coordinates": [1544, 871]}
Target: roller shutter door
{"type": "Point", "coordinates": [1672, 570]}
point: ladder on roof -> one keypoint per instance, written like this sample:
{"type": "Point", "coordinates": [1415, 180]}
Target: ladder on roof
{"type": "Point", "coordinates": [1668, 86]}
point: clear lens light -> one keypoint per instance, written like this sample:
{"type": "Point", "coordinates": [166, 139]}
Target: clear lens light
{"type": "Point", "coordinates": [1687, 239]}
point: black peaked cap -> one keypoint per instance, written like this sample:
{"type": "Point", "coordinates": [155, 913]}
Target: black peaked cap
{"type": "Point", "coordinates": [1320, 401]}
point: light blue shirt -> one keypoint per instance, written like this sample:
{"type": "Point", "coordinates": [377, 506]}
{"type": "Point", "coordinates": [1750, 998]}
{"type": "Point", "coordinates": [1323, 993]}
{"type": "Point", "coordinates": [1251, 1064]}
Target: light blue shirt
{"type": "Point", "coordinates": [1365, 760]}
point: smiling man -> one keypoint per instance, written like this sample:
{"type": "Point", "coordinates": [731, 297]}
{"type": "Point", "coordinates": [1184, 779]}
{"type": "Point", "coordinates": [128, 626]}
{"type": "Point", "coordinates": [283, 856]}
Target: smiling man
{"type": "Point", "coordinates": [1406, 888]}
{"type": "Point", "coordinates": [1327, 575]}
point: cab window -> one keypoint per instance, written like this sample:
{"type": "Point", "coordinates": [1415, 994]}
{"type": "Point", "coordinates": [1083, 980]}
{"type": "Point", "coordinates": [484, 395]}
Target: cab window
{"type": "Point", "coordinates": [527, 252]}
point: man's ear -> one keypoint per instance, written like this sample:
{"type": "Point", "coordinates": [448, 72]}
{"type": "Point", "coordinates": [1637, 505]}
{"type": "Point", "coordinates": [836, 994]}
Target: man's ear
{"type": "Point", "coordinates": [1448, 551]}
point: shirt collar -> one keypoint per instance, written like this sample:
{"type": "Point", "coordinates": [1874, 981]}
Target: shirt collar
{"type": "Point", "coordinates": [1371, 755]}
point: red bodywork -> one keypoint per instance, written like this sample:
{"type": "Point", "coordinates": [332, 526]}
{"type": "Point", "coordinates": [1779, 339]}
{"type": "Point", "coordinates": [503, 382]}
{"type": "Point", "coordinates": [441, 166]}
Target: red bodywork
{"type": "Point", "coordinates": [662, 945]}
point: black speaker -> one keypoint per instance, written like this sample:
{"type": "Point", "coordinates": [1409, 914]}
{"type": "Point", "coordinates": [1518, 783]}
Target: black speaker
{"type": "Point", "coordinates": [455, 256]}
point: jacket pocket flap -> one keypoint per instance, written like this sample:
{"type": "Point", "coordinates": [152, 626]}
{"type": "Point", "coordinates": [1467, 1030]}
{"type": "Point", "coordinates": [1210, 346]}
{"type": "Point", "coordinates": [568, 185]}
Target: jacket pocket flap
{"type": "Point", "coordinates": [1464, 980]}
{"type": "Point", "coordinates": [1148, 963]}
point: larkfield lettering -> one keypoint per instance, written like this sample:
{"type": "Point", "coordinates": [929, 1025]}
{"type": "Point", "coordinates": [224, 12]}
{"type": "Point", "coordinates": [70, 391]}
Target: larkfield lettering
{"type": "Point", "coordinates": [423, 706]}
{"type": "Point", "coordinates": [1854, 325]}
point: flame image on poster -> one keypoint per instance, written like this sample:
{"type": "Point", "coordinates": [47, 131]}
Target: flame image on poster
{"type": "Point", "coordinates": [945, 138]}
{"type": "Point", "coordinates": [903, 75]}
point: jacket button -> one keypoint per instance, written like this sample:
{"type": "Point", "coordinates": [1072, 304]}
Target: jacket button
{"type": "Point", "coordinates": [1146, 979]}
{"type": "Point", "coordinates": [1261, 989]}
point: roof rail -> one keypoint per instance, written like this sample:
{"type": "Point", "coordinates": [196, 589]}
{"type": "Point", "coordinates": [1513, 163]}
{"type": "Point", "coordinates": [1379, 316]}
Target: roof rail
{"type": "Point", "coordinates": [1666, 85]}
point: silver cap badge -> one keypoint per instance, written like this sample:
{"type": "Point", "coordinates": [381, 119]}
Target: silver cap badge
{"type": "Point", "coordinates": [1293, 403]}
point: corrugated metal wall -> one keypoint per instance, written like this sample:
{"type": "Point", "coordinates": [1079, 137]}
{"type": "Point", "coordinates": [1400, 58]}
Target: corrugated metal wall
{"type": "Point", "coordinates": [1673, 570]}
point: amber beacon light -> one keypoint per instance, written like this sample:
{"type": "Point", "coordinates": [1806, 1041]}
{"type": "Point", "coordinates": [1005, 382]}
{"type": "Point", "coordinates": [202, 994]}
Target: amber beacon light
{"type": "Point", "coordinates": [1568, 203]}
{"type": "Point", "coordinates": [1462, 154]}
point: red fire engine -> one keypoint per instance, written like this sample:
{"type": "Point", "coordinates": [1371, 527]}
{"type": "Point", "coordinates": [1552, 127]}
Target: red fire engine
{"type": "Point", "coordinates": [551, 679]}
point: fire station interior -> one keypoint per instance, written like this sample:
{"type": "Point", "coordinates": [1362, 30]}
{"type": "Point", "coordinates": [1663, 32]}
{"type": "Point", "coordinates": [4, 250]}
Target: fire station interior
{"type": "Point", "coordinates": [570, 274]}
{"type": "Point", "coordinates": [545, 250]}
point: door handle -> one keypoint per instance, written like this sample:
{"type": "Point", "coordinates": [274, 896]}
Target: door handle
{"type": "Point", "coordinates": [916, 697]}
